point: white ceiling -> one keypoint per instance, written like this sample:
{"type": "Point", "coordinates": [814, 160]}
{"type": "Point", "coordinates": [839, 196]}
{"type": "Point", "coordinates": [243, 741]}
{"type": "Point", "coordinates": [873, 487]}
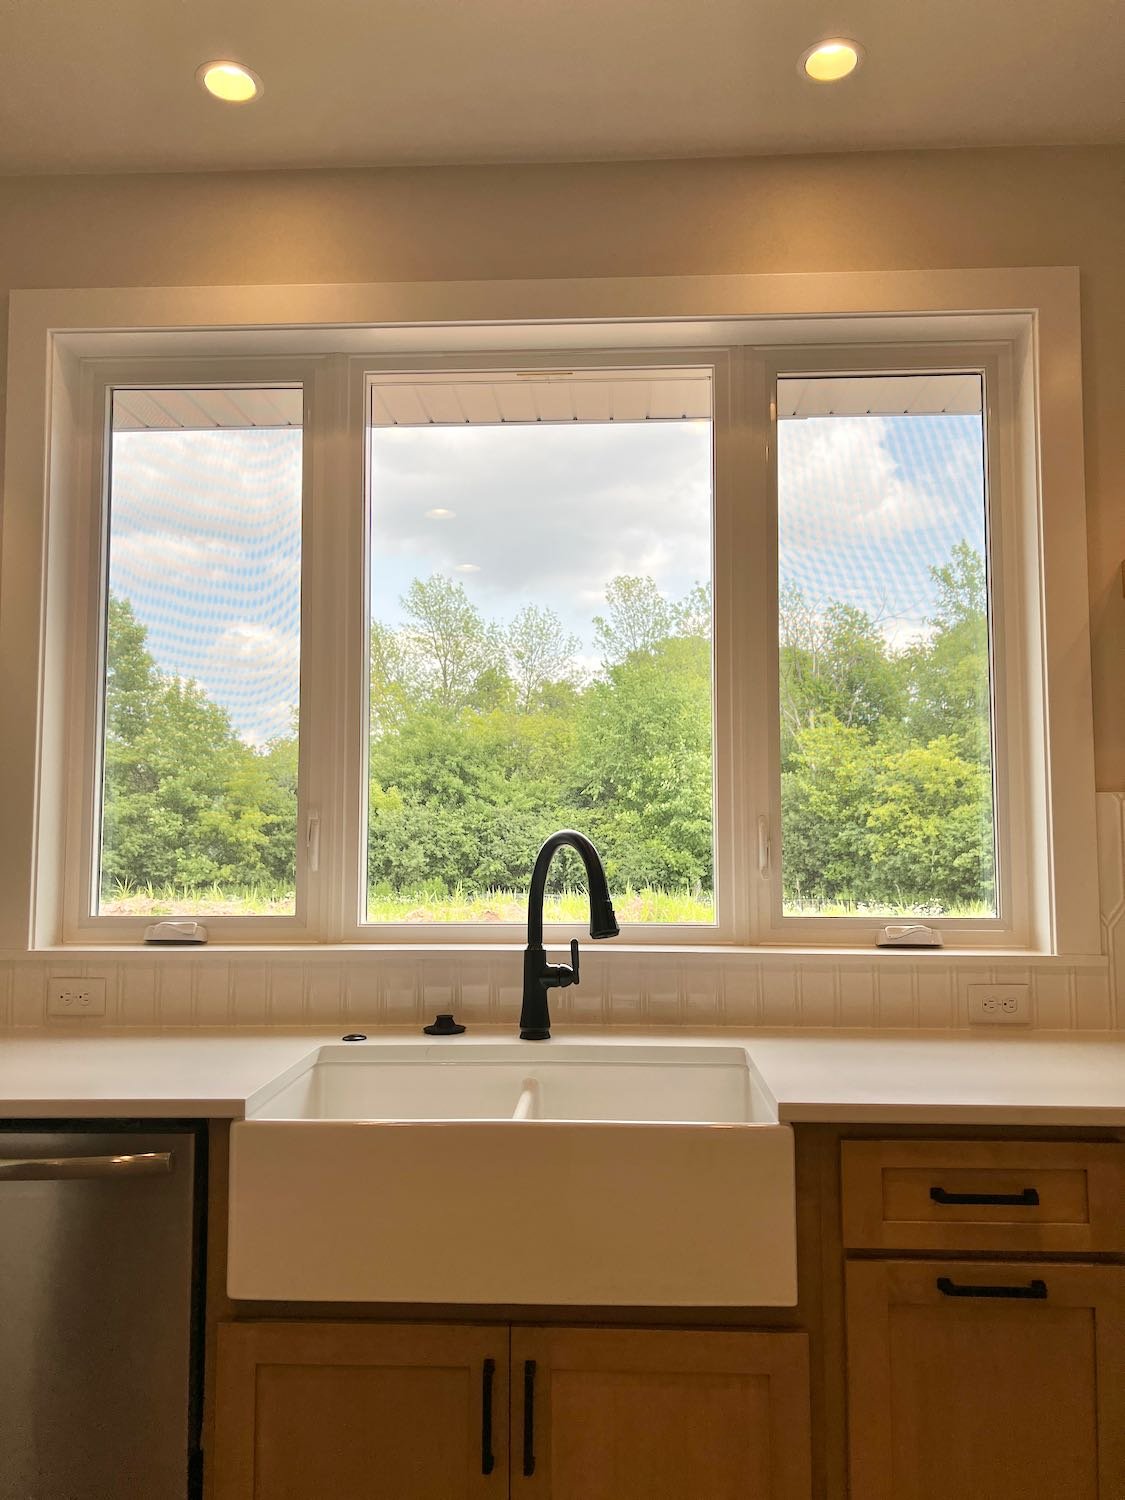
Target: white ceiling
{"type": "Point", "coordinates": [91, 85]}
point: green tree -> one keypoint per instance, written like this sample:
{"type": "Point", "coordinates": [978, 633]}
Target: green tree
{"type": "Point", "coordinates": [835, 664]}
{"type": "Point", "coordinates": [693, 613]}
{"type": "Point", "coordinates": [638, 617]}
{"type": "Point", "coordinates": [949, 669]}
{"type": "Point", "coordinates": [827, 790]}
{"type": "Point", "coordinates": [132, 681]}
{"type": "Point", "coordinates": [930, 828]}
{"type": "Point", "coordinates": [185, 801]}
{"type": "Point", "coordinates": [643, 765]}
{"type": "Point", "coordinates": [277, 767]}
{"type": "Point", "coordinates": [541, 651]}
{"type": "Point", "coordinates": [463, 799]}
{"type": "Point", "coordinates": [450, 643]}
{"type": "Point", "coordinates": [392, 685]}
{"type": "Point", "coordinates": [886, 780]}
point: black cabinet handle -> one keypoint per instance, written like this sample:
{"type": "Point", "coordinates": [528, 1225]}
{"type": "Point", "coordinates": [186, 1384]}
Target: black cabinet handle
{"type": "Point", "coordinates": [487, 1457]}
{"type": "Point", "coordinates": [1029, 1198]}
{"type": "Point", "coordinates": [1034, 1291]}
{"type": "Point", "coordinates": [528, 1418]}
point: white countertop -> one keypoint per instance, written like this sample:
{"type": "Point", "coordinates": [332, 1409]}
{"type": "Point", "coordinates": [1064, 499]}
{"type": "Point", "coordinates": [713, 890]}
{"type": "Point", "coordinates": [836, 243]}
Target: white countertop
{"type": "Point", "coordinates": [845, 1077]}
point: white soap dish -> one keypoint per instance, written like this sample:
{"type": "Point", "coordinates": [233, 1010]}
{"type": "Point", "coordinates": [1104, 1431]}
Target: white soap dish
{"type": "Point", "coordinates": [176, 932]}
{"type": "Point", "coordinates": [911, 935]}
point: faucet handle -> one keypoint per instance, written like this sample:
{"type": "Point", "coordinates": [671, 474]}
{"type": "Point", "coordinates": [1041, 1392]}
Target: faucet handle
{"type": "Point", "coordinates": [574, 960]}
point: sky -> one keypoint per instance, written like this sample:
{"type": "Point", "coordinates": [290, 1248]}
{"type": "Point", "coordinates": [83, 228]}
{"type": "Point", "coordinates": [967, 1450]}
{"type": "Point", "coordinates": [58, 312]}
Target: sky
{"type": "Point", "coordinates": [205, 541]}
{"type": "Point", "coordinates": [540, 514]}
{"type": "Point", "coordinates": [205, 528]}
{"type": "Point", "coordinates": [867, 505]}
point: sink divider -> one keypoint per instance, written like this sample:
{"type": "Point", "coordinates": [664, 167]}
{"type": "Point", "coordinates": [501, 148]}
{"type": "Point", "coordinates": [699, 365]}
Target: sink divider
{"type": "Point", "coordinates": [527, 1106]}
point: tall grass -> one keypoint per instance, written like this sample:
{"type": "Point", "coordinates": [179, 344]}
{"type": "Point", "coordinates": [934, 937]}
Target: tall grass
{"type": "Point", "coordinates": [916, 911]}
{"type": "Point", "coordinates": [125, 899]}
{"type": "Point", "coordinates": [429, 906]}
{"type": "Point", "coordinates": [418, 908]}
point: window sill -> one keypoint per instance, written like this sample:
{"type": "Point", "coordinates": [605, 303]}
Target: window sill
{"type": "Point", "coordinates": [773, 955]}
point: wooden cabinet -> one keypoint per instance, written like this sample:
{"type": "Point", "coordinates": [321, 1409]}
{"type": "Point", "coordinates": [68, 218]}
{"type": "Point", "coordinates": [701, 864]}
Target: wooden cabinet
{"type": "Point", "coordinates": [306, 1411]}
{"type": "Point", "coordinates": [985, 1379]}
{"type": "Point", "coordinates": [930, 1380]}
{"type": "Point", "coordinates": [643, 1415]}
{"type": "Point", "coordinates": [360, 1411]}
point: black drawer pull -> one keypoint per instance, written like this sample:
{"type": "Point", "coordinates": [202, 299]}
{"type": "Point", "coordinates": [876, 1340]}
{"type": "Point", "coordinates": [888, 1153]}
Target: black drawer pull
{"type": "Point", "coordinates": [1029, 1198]}
{"type": "Point", "coordinates": [487, 1457]}
{"type": "Point", "coordinates": [1035, 1291]}
{"type": "Point", "coordinates": [528, 1418]}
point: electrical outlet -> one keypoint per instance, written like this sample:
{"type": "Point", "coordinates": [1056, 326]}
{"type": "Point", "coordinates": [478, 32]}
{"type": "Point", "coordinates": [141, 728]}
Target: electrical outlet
{"type": "Point", "coordinates": [1000, 1004]}
{"type": "Point", "coordinates": [76, 997]}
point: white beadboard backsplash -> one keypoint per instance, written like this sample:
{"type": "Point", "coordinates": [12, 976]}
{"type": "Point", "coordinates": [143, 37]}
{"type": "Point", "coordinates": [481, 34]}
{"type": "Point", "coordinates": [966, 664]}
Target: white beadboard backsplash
{"type": "Point", "coordinates": [347, 987]}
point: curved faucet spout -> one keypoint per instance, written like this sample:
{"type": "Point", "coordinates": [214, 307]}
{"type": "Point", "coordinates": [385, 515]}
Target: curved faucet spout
{"type": "Point", "coordinates": [603, 923]}
{"type": "Point", "coordinates": [538, 975]}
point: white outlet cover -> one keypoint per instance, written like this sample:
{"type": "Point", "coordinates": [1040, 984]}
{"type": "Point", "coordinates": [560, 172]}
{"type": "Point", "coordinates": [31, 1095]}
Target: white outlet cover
{"type": "Point", "coordinates": [999, 1004]}
{"type": "Point", "coordinates": [74, 998]}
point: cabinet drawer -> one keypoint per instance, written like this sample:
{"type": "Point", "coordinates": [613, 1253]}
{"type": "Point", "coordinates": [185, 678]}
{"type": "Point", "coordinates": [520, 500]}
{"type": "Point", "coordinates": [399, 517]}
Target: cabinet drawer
{"type": "Point", "coordinates": [983, 1195]}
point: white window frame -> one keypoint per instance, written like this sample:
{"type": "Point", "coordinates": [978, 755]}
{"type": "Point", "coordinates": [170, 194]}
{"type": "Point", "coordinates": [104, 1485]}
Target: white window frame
{"type": "Point", "coordinates": [726, 780]}
{"type": "Point", "coordinates": [1030, 317]}
{"type": "Point", "coordinates": [1008, 608]}
{"type": "Point", "coordinates": [87, 583]}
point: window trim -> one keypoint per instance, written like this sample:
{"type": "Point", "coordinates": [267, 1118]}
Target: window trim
{"type": "Point", "coordinates": [1035, 311]}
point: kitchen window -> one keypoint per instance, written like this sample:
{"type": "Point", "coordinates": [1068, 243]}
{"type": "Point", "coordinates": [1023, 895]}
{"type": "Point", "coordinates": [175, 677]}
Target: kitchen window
{"type": "Point", "coordinates": [887, 795]}
{"type": "Point", "coordinates": [539, 559]}
{"type": "Point", "coordinates": [355, 631]}
{"type": "Point", "coordinates": [196, 812]}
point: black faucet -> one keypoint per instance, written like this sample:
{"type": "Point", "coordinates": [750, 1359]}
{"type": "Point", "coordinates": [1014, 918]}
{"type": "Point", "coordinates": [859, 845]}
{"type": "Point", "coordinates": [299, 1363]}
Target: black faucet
{"type": "Point", "coordinates": [538, 975]}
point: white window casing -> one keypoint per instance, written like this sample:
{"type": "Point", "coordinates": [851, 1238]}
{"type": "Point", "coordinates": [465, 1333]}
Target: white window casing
{"type": "Point", "coordinates": [1019, 328]}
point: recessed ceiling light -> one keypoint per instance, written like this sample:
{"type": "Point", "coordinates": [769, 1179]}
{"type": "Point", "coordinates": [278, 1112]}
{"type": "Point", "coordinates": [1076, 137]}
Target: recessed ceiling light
{"type": "Point", "coordinates": [229, 81]}
{"type": "Point", "coordinates": [439, 513]}
{"type": "Point", "coordinates": [831, 60]}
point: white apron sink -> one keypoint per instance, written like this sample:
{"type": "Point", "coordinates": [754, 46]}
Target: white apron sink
{"type": "Point", "coordinates": [642, 1174]}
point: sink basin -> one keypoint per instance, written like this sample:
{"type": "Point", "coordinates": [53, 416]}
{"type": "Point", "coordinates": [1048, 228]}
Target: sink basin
{"type": "Point", "coordinates": [641, 1174]}
{"type": "Point", "coordinates": [456, 1083]}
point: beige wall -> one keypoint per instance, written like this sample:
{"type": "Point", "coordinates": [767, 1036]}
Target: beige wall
{"type": "Point", "coordinates": [842, 213]}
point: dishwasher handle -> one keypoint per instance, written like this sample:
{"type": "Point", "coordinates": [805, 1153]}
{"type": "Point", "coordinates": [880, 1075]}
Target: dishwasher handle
{"type": "Point", "coordinates": [84, 1168]}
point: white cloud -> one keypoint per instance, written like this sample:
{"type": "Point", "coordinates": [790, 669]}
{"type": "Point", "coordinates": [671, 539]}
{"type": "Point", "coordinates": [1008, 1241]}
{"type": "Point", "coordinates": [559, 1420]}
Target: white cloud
{"type": "Point", "coordinates": [869, 505]}
{"type": "Point", "coordinates": [838, 481]}
{"type": "Point", "coordinates": [251, 646]}
{"type": "Point", "coordinates": [236, 476]}
{"type": "Point", "coordinates": [550, 514]}
{"type": "Point", "coordinates": [164, 555]}
{"type": "Point", "coordinates": [273, 721]}
{"type": "Point", "coordinates": [206, 544]}
{"type": "Point", "coordinates": [900, 632]}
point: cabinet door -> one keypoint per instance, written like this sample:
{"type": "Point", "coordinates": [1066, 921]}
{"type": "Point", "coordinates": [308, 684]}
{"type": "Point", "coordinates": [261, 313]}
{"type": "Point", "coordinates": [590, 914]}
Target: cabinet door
{"type": "Point", "coordinates": [647, 1415]}
{"type": "Point", "coordinates": [999, 1381]}
{"type": "Point", "coordinates": [359, 1411]}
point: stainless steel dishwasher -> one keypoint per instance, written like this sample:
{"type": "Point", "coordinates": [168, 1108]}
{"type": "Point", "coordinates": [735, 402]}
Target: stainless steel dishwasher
{"type": "Point", "coordinates": [100, 1247]}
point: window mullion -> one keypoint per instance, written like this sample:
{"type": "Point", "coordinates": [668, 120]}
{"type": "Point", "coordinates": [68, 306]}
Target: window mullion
{"type": "Point", "coordinates": [85, 584]}
{"type": "Point", "coordinates": [329, 681]}
{"type": "Point", "coordinates": [757, 685]}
